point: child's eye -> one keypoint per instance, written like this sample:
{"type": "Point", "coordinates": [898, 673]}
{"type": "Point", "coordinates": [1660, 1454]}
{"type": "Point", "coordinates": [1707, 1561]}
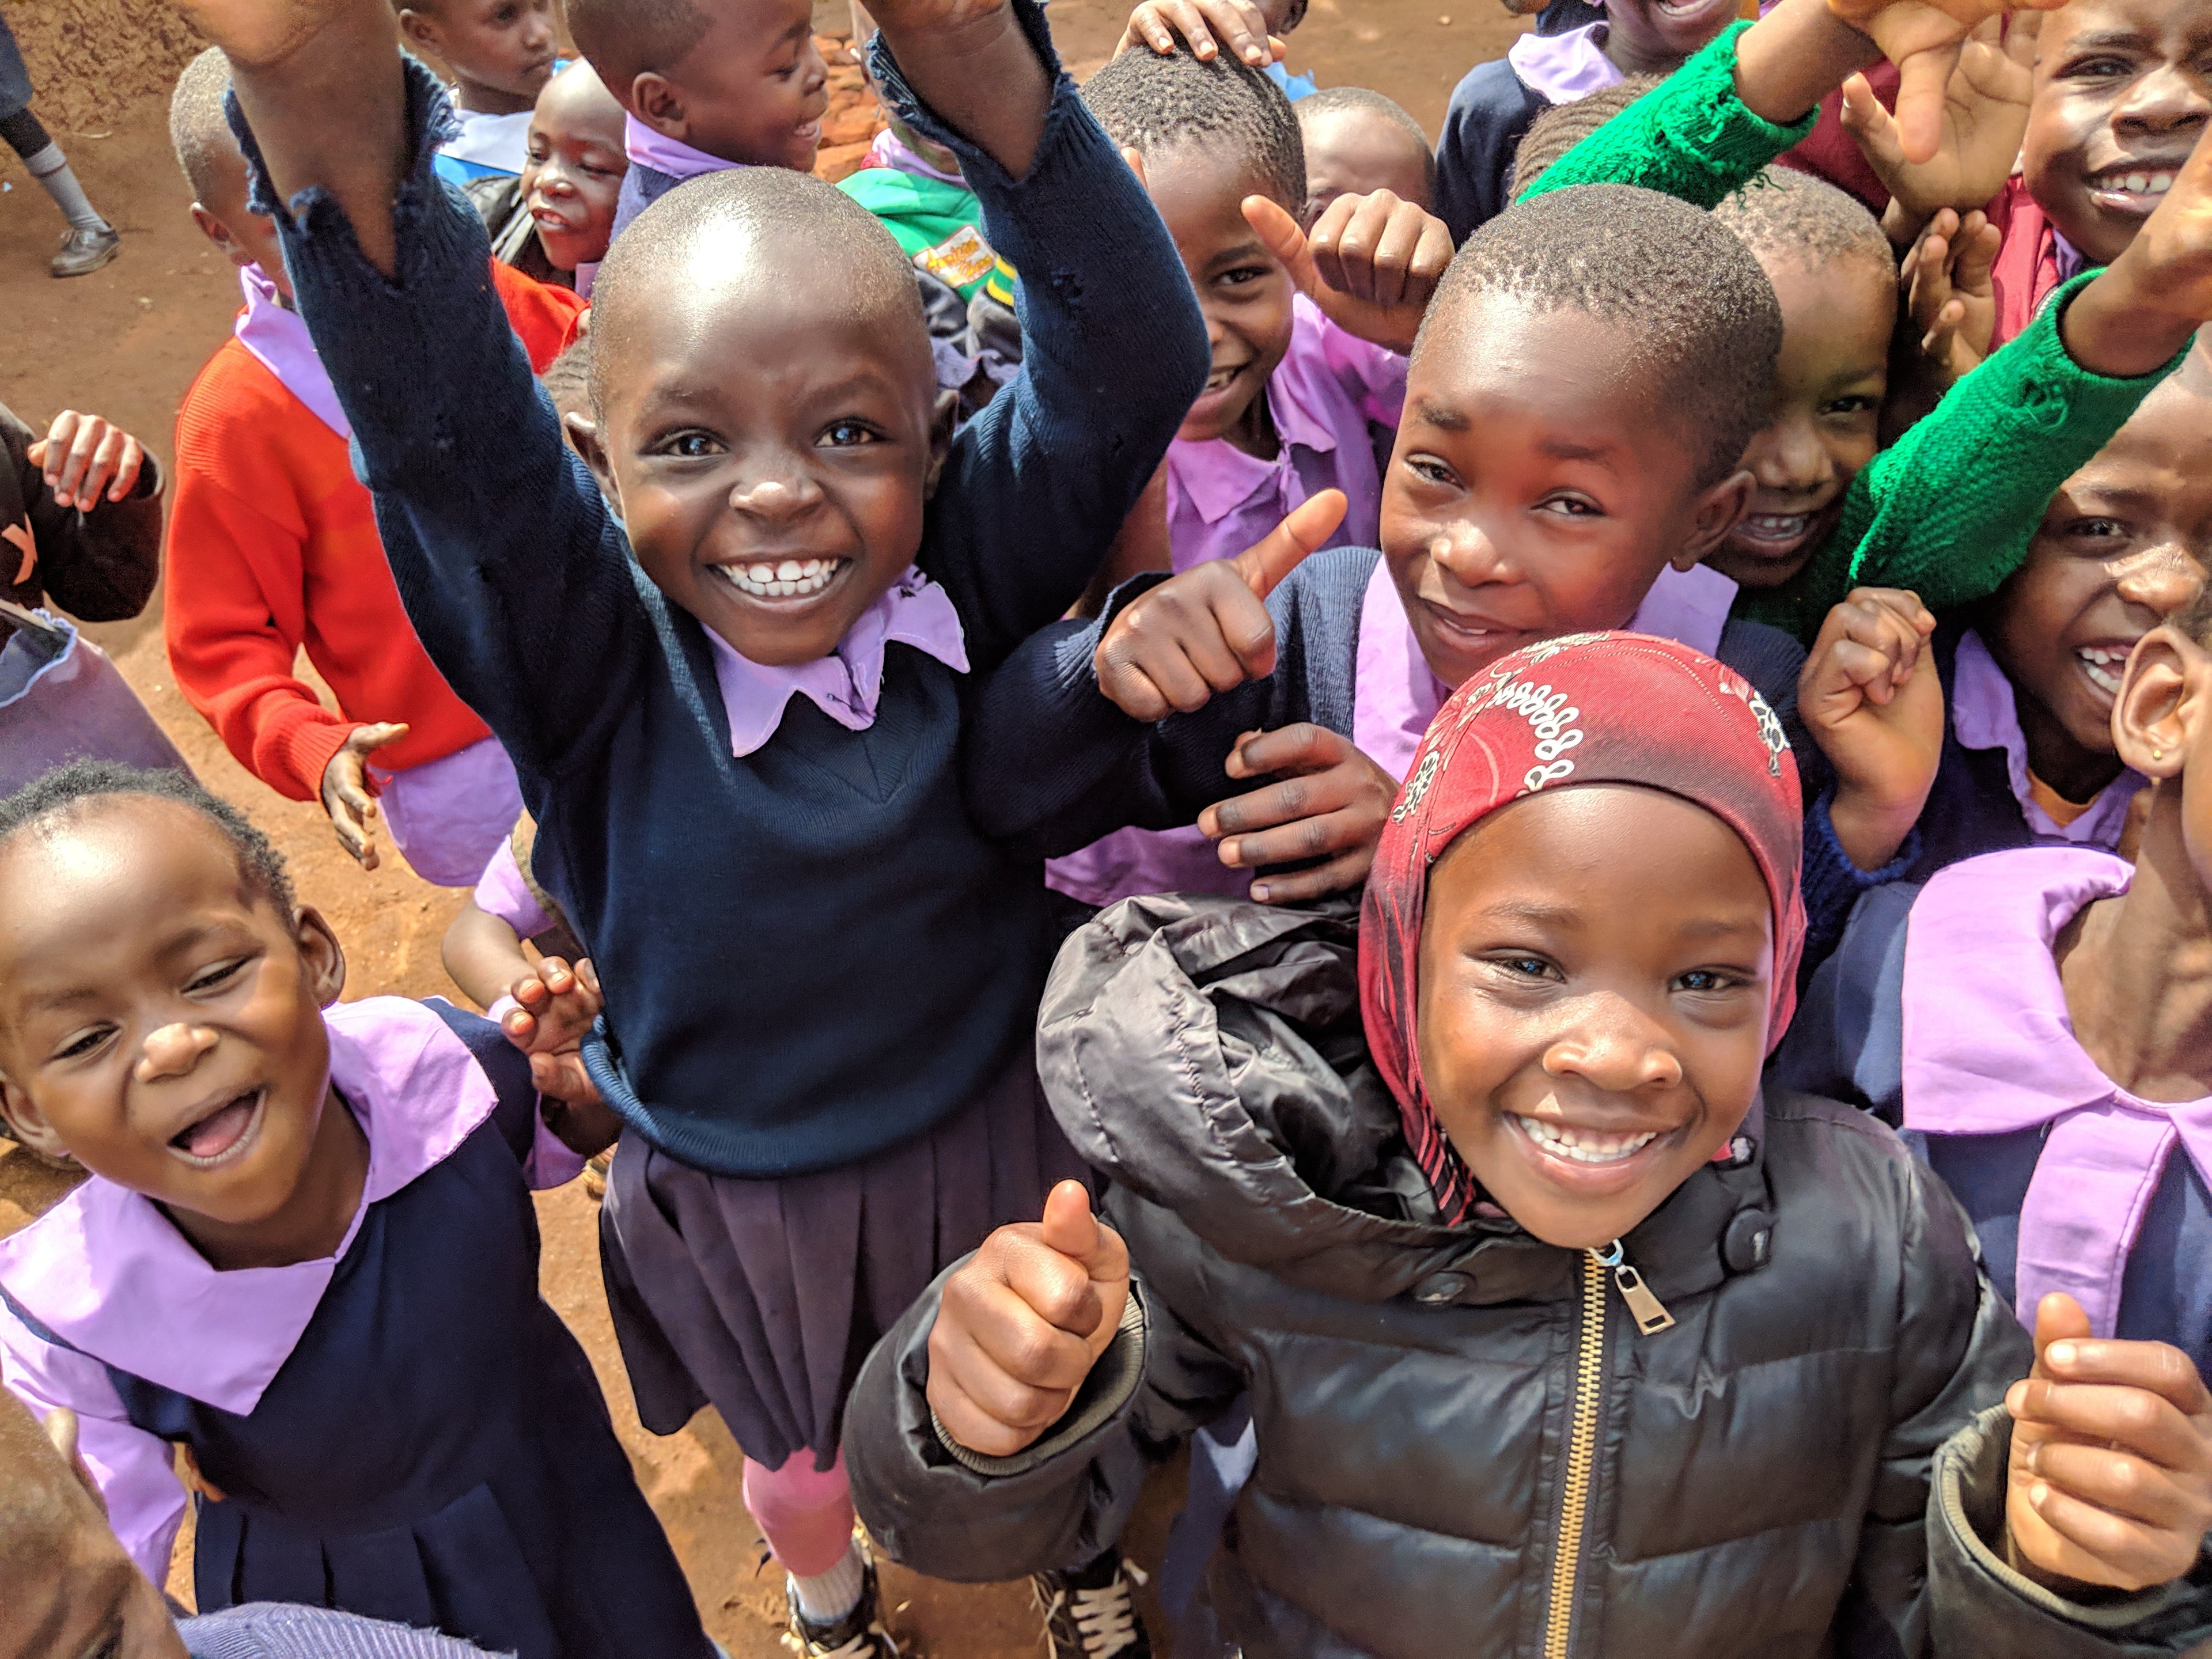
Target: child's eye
{"type": "Point", "coordinates": [83, 1042]}
{"type": "Point", "coordinates": [2099, 68]}
{"type": "Point", "coordinates": [1857, 403]}
{"type": "Point", "coordinates": [847, 434]}
{"type": "Point", "coordinates": [1571, 506]}
{"type": "Point", "coordinates": [689, 445]}
{"type": "Point", "coordinates": [1242, 276]}
{"type": "Point", "coordinates": [1707, 980]}
{"type": "Point", "coordinates": [1429, 471]}
{"type": "Point", "coordinates": [2096, 530]}
{"type": "Point", "coordinates": [1521, 965]}
{"type": "Point", "coordinates": [216, 978]}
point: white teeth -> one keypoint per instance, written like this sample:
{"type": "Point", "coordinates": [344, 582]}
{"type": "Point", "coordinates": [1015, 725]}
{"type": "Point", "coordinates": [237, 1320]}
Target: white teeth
{"type": "Point", "coordinates": [1584, 1145]}
{"type": "Point", "coordinates": [2160, 183]}
{"type": "Point", "coordinates": [2101, 666]}
{"type": "Point", "coordinates": [2138, 182]}
{"type": "Point", "coordinates": [791, 579]}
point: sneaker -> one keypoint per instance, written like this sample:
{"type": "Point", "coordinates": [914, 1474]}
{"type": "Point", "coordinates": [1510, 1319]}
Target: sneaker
{"type": "Point", "coordinates": [596, 1172]}
{"type": "Point", "coordinates": [858, 1635]}
{"type": "Point", "coordinates": [1090, 1614]}
{"type": "Point", "coordinates": [84, 249]}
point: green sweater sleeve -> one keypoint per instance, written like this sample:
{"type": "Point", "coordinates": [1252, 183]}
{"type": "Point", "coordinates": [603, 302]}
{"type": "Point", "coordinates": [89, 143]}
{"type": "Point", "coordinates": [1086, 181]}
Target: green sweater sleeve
{"type": "Point", "coordinates": [1949, 510]}
{"type": "Point", "coordinates": [1690, 137]}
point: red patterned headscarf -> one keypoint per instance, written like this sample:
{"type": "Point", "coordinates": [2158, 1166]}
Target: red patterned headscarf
{"type": "Point", "coordinates": [1586, 708]}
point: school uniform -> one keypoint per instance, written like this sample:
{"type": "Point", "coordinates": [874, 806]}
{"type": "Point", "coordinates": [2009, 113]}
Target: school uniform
{"type": "Point", "coordinates": [820, 977]}
{"type": "Point", "coordinates": [1943, 1012]}
{"type": "Point", "coordinates": [273, 548]}
{"type": "Point", "coordinates": [2033, 260]}
{"type": "Point", "coordinates": [1984, 799]}
{"type": "Point", "coordinates": [1492, 108]}
{"type": "Point", "coordinates": [391, 1438]}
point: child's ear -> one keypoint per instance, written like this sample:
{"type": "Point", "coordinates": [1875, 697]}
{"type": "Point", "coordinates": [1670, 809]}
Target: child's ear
{"type": "Point", "coordinates": [29, 1125]}
{"type": "Point", "coordinates": [656, 102]}
{"type": "Point", "coordinates": [323, 957]}
{"type": "Point", "coordinates": [2161, 703]}
{"type": "Point", "coordinates": [943, 419]}
{"type": "Point", "coordinates": [583, 433]}
{"type": "Point", "coordinates": [419, 32]}
{"type": "Point", "coordinates": [1714, 516]}
{"type": "Point", "coordinates": [219, 233]}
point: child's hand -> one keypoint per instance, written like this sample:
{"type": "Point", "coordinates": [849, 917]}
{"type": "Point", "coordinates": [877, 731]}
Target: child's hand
{"type": "Point", "coordinates": [1371, 263]}
{"type": "Point", "coordinates": [1208, 629]}
{"type": "Point", "coordinates": [84, 456]}
{"type": "Point", "coordinates": [1329, 802]}
{"type": "Point", "coordinates": [2110, 1482]}
{"type": "Point", "coordinates": [1207, 25]}
{"type": "Point", "coordinates": [1022, 1321]}
{"type": "Point", "coordinates": [1925, 39]}
{"type": "Point", "coordinates": [346, 796]}
{"type": "Point", "coordinates": [1948, 291]}
{"type": "Point", "coordinates": [554, 1006]}
{"type": "Point", "coordinates": [1984, 117]}
{"type": "Point", "coordinates": [583, 1123]}
{"type": "Point", "coordinates": [1874, 703]}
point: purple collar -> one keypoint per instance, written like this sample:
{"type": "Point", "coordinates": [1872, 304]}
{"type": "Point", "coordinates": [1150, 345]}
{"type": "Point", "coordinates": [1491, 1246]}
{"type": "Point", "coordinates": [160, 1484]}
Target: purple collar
{"type": "Point", "coordinates": [1985, 716]}
{"type": "Point", "coordinates": [1990, 1049]}
{"type": "Point", "coordinates": [1561, 68]}
{"type": "Point", "coordinates": [844, 684]}
{"type": "Point", "coordinates": [670, 155]}
{"type": "Point", "coordinates": [106, 1272]}
{"type": "Point", "coordinates": [275, 334]}
{"type": "Point", "coordinates": [890, 150]}
{"type": "Point", "coordinates": [1394, 696]}
{"type": "Point", "coordinates": [2072, 262]}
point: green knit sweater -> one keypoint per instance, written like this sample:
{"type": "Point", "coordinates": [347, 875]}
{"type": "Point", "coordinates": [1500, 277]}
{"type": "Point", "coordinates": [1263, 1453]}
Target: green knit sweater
{"type": "Point", "coordinates": [1949, 510]}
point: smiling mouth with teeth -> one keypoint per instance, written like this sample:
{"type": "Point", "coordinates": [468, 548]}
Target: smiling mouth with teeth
{"type": "Point", "coordinates": [1774, 529]}
{"type": "Point", "coordinates": [2133, 190]}
{"type": "Point", "coordinates": [2101, 666]}
{"type": "Point", "coordinates": [1583, 1146]}
{"type": "Point", "coordinates": [786, 579]}
{"type": "Point", "coordinates": [210, 1140]}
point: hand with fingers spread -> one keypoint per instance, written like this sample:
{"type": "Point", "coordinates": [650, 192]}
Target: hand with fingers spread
{"type": "Point", "coordinates": [1949, 293]}
{"type": "Point", "coordinates": [86, 459]}
{"type": "Point", "coordinates": [1327, 802]}
{"type": "Point", "coordinates": [2110, 1481]}
{"type": "Point", "coordinates": [347, 795]}
{"type": "Point", "coordinates": [1371, 263]}
{"type": "Point", "coordinates": [1022, 1322]}
{"type": "Point", "coordinates": [1208, 25]}
{"type": "Point", "coordinates": [1207, 630]}
{"type": "Point", "coordinates": [1984, 116]}
{"type": "Point", "coordinates": [1927, 39]}
{"type": "Point", "coordinates": [1870, 695]}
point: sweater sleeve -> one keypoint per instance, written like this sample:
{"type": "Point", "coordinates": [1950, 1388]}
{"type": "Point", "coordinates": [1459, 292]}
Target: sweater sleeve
{"type": "Point", "coordinates": [235, 576]}
{"type": "Point", "coordinates": [503, 552]}
{"type": "Point", "coordinates": [1114, 353]}
{"type": "Point", "coordinates": [1690, 137]}
{"type": "Point", "coordinates": [1949, 510]}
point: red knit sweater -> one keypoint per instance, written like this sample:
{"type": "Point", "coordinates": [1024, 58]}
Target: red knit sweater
{"type": "Point", "coordinates": [272, 546]}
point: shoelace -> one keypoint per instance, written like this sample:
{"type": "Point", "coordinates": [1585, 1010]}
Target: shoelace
{"type": "Point", "coordinates": [1105, 1619]}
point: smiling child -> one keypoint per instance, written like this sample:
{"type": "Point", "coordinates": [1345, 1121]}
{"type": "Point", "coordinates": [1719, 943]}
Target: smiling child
{"type": "Point", "coordinates": [571, 176]}
{"type": "Point", "coordinates": [1560, 1334]}
{"type": "Point", "coordinates": [279, 1187]}
{"type": "Point", "coordinates": [500, 53]}
{"type": "Point", "coordinates": [750, 806]}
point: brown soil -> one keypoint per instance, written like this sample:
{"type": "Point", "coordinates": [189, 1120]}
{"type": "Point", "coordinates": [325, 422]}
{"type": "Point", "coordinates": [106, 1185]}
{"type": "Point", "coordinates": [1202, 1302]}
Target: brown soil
{"type": "Point", "coordinates": [127, 340]}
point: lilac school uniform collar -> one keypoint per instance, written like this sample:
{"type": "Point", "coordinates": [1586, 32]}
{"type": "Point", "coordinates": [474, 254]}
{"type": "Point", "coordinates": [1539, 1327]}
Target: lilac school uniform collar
{"type": "Point", "coordinates": [844, 684]}
{"type": "Point", "coordinates": [1990, 1049]}
{"type": "Point", "coordinates": [1394, 696]}
{"type": "Point", "coordinates": [1984, 715]}
{"type": "Point", "coordinates": [108, 1273]}
{"type": "Point", "coordinates": [277, 336]}
{"type": "Point", "coordinates": [670, 155]}
{"type": "Point", "coordinates": [1561, 68]}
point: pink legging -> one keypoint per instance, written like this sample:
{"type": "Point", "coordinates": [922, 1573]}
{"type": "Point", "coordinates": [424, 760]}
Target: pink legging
{"type": "Point", "coordinates": [805, 1513]}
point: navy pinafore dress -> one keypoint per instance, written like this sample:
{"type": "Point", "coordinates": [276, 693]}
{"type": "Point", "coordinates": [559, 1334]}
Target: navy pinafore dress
{"type": "Point", "coordinates": [436, 1450]}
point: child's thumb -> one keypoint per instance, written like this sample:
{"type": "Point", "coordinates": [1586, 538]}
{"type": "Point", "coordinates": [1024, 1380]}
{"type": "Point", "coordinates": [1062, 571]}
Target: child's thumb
{"type": "Point", "coordinates": [2058, 1318]}
{"type": "Point", "coordinates": [1284, 237]}
{"type": "Point", "coordinates": [1069, 1226]}
{"type": "Point", "coordinates": [1303, 530]}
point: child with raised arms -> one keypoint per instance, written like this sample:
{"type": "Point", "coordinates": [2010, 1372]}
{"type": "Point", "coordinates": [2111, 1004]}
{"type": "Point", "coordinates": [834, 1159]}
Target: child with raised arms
{"type": "Point", "coordinates": [259, 1269]}
{"type": "Point", "coordinates": [1562, 1334]}
{"type": "Point", "coordinates": [819, 975]}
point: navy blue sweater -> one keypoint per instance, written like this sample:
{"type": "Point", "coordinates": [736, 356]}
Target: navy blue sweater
{"type": "Point", "coordinates": [1092, 769]}
{"type": "Point", "coordinates": [1490, 111]}
{"type": "Point", "coordinates": [810, 953]}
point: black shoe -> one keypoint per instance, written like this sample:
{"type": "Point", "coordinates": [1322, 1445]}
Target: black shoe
{"type": "Point", "coordinates": [858, 1635]}
{"type": "Point", "coordinates": [84, 249]}
{"type": "Point", "coordinates": [1091, 1611]}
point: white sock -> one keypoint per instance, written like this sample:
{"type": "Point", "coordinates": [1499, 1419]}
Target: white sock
{"type": "Point", "coordinates": [51, 169]}
{"type": "Point", "coordinates": [828, 1597]}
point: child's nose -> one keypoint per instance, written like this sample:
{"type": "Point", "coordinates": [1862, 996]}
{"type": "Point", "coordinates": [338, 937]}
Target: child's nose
{"type": "Point", "coordinates": [1789, 455]}
{"type": "Point", "coordinates": [1614, 1046]}
{"type": "Point", "coordinates": [2170, 98]}
{"type": "Point", "coordinates": [1467, 553]}
{"type": "Point", "coordinates": [172, 1051]}
{"type": "Point", "coordinates": [2162, 579]}
{"type": "Point", "coordinates": [781, 496]}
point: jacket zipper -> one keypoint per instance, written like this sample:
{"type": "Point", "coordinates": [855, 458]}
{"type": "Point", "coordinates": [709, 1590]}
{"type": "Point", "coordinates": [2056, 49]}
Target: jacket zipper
{"type": "Point", "coordinates": [1649, 1315]}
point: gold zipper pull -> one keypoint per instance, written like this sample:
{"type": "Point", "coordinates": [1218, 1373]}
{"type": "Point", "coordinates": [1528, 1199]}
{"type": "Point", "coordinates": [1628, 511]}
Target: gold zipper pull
{"type": "Point", "coordinates": [1649, 1312]}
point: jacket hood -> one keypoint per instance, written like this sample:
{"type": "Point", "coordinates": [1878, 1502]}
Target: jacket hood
{"type": "Point", "coordinates": [1207, 1054]}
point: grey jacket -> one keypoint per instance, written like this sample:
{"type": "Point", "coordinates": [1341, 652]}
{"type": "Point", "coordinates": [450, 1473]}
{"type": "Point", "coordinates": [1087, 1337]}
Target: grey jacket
{"type": "Point", "coordinates": [1811, 1461]}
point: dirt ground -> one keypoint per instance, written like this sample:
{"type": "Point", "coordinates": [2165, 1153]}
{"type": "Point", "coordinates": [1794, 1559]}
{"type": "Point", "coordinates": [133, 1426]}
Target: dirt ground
{"type": "Point", "coordinates": [126, 341]}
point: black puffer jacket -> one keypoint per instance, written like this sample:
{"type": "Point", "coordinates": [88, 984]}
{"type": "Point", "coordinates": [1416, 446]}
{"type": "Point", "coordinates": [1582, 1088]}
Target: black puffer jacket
{"type": "Point", "coordinates": [1466, 1448]}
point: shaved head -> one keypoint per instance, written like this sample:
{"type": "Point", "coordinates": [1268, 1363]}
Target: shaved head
{"type": "Point", "coordinates": [624, 39]}
{"type": "Point", "coordinates": [213, 166]}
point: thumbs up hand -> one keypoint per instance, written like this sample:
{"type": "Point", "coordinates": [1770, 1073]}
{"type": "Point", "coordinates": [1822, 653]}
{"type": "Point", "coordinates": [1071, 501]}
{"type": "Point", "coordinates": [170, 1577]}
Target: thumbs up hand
{"type": "Point", "coordinates": [1022, 1323]}
{"type": "Point", "coordinates": [1208, 629]}
{"type": "Point", "coordinates": [1371, 263]}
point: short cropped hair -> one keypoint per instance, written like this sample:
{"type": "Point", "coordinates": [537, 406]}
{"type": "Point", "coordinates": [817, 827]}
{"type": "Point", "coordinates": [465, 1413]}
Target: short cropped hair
{"type": "Point", "coordinates": [774, 207]}
{"type": "Point", "coordinates": [1700, 314]}
{"type": "Point", "coordinates": [68, 792]}
{"type": "Point", "coordinates": [1348, 100]}
{"type": "Point", "coordinates": [198, 128]}
{"type": "Point", "coordinates": [1152, 103]}
{"type": "Point", "coordinates": [1559, 128]}
{"type": "Point", "coordinates": [1783, 214]}
{"type": "Point", "coordinates": [623, 39]}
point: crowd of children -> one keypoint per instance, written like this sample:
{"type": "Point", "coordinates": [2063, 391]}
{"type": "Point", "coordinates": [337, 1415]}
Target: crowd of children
{"type": "Point", "coordinates": [1502, 831]}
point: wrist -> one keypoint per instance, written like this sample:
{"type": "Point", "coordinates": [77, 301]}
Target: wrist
{"type": "Point", "coordinates": [1902, 225]}
{"type": "Point", "coordinates": [2124, 324]}
{"type": "Point", "coordinates": [1795, 56]}
{"type": "Point", "coordinates": [1868, 827]}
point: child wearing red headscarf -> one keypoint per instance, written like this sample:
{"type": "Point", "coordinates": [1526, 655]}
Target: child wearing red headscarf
{"type": "Point", "coordinates": [1560, 1337]}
